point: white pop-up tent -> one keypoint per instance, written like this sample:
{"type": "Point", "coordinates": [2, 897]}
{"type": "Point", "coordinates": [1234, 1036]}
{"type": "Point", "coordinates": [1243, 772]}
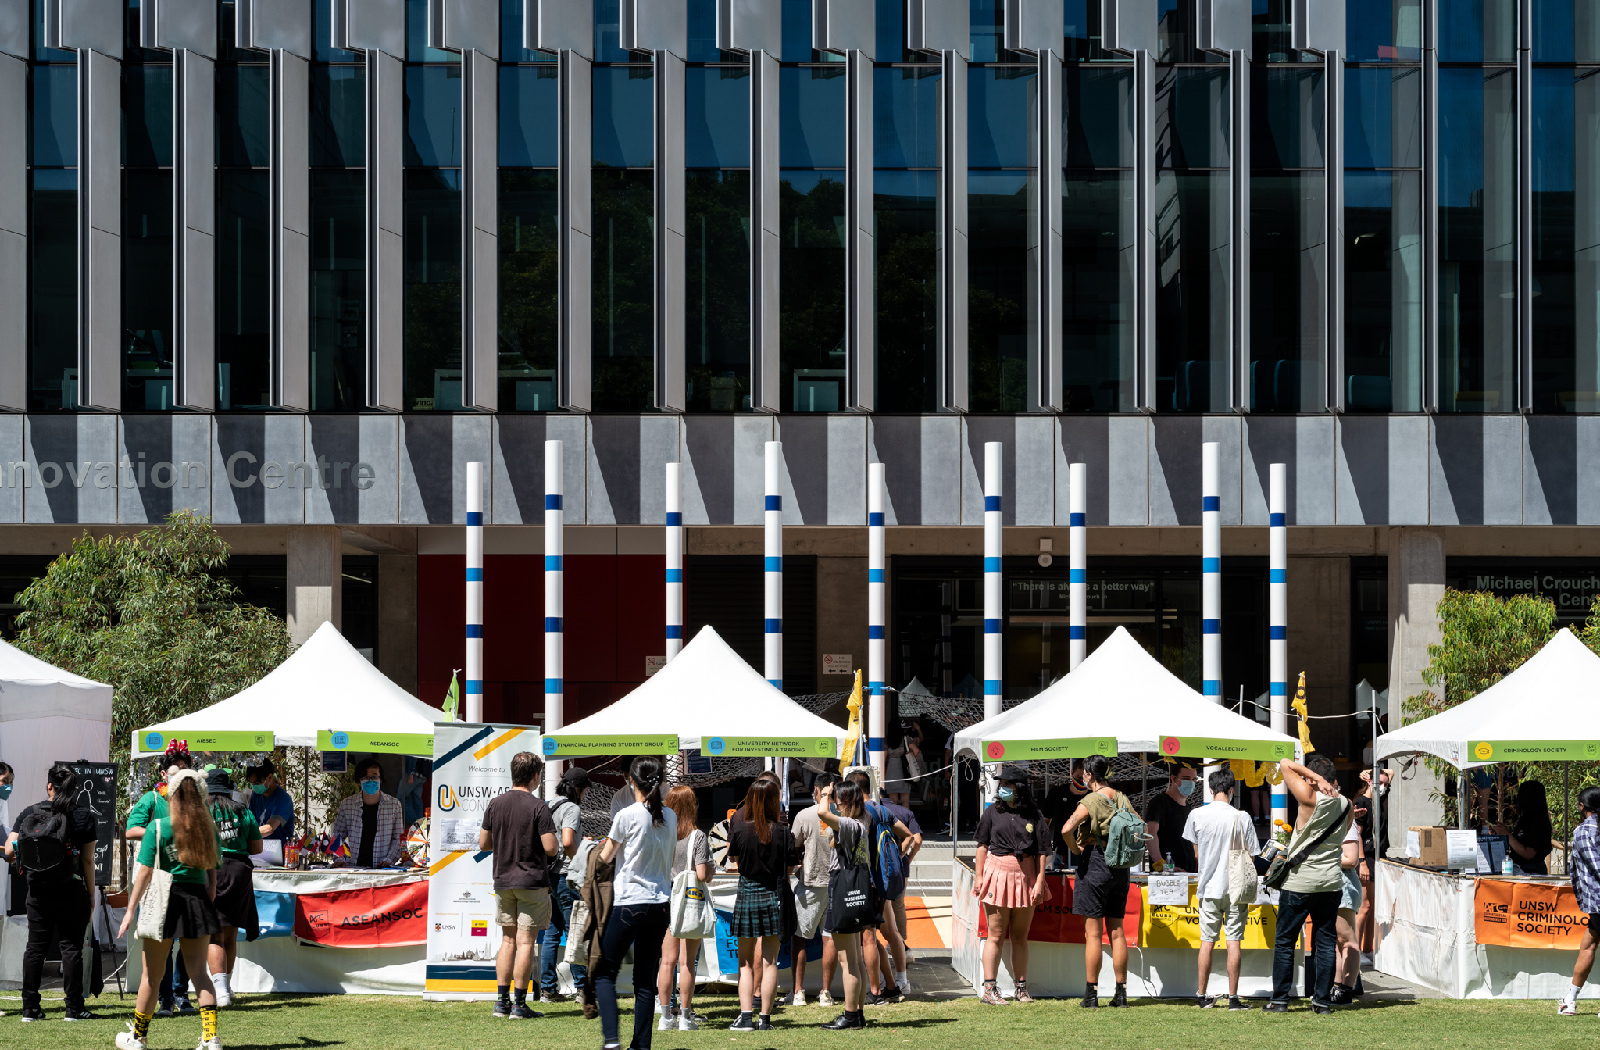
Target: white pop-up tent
{"type": "Point", "coordinates": [706, 698]}
{"type": "Point", "coordinates": [1546, 710]}
{"type": "Point", "coordinates": [1121, 699]}
{"type": "Point", "coordinates": [325, 695]}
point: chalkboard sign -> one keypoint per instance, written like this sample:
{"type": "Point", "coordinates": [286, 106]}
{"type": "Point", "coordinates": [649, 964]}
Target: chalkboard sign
{"type": "Point", "coordinates": [97, 792]}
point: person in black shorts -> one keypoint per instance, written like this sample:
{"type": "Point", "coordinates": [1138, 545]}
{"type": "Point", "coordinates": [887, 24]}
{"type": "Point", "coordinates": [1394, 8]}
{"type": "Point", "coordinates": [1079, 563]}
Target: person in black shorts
{"type": "Point", "coordinates": [239, 837]}
{"type": "Point", "coordinates": [1099, 892]}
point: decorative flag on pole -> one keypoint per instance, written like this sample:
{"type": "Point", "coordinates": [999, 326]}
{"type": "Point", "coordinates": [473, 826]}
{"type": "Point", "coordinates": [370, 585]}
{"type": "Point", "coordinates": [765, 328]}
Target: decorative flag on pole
{"type": "Point", "coordinates": [452, 698]}
{"type": "Point", "coordinates": [1300, 711]}
{"type": "Point", "coordinates": [847, 753]}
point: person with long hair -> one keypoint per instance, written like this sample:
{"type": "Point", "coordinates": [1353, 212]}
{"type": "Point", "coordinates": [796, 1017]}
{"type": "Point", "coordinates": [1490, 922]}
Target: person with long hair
{"type": "Point", "coordinates": [641, 843]}
{"type": "Point", "coordinates": [183, 844]}
{"type": "Point", "coordinates": [680, 954]}
{"type": "Point", "coordinates": [58, 858]}
{"type": "Point", "coordinates": [240, 838]}
{"type": "Point", "coordinates": [1100, 892]}
{"type": "Point", "coordinates": [1013, 842]}
{"type": "Point", "coordinates": [566, 810]}
{"type": "Point", "coordinates": [173, 994]}
{"type": "Point", "coordinates": [1530, 841]}
{"type": "Point", "coordinates": [842, 808]}
{"type": "Point", "coordinates": [761, 844]}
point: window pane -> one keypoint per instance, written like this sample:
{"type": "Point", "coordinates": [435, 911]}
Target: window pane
{"type": "Point", "coordinates": [338, 116]}
{"type": "Point", "coordinates": [717, 336]}
{"type": "Point", "coordinates": [1097, 250]}
{"type": "Point", "coordinates": [322, 34]}
{"type": "Point", "coordinates": [146, 115]}
{"type": "Point", "coordinates": [54, 142]}
{"type": "Point", "coordinates": [907, 283]}
{"type": "Point", "coordinates": [1098, 116]}
{"type": "Point", "coordinates": [1383, 117]}
{"type": "Point", "coordinates": [1566, 31]}
{"type": "Point", "coordinates": [624, 253]}
{"type": "Point", "coordinates": [529, 291]}
{"type": "Point", "coordinates": [624, 117]}
{"type": "Point", "coordinates": [1383, 291]}
{"type": "Point", "coordinates": [1191, 292]}
{"type": "Point", "coordinates": [511, 49]}
{"type": "Point", "coordinates": [1383, 30]}
{"type": "Point", "coordinates": [147, 290]}
{"type": "Point", "coordinates": [1271, 31]}
{"type": "Point", "coordinates": [433, 116]}
{"type": "Point", "coordinates": [702, 18]}
{"type": "Point", "coordinates": [1288, 282]}
{"type": "Point", "coordinates": [1477, 240]}
{"type": "Point", "coordinates": [1175, 33]}
{"type": "Point", "coordinates": [717, 117]}
{"type": "Point", "coordinates": [998, 321]}
{"type": "Point", "coordinates": [417, 49]}
{"type": "Point", "coordinates": [243, 255]}
{"type": "Point", "coordinates": [797, 31]}
{"type": "Point", "coordinates": [811, 116]}
{"type": "Point", "coordinates": [1566, 240]}
{"type": "Point", "coordinates": [998, 105]}
{"type": "Point", "coordinates": [1477, 30]}
{"type": "Point", "coordinates": [433, 290]}
{"type": "Point", "coordinates": [1191, 118]}
{"type": "Point", "coordinates": [53, 291]}
{"type": "Point", "coordinates": [607, 27]}
{"type": "Point", "coordinates": [905, 120]}
{"type": "Point", "coordinates": [987, 21]}
{"type": "Point", "coordinates": [244, 116]}
{"type": "Point", "coordinates": [338, 290]}
{"type": "Point", "coordinates": [40, 52]}
{"type": "Point", "coordinates": [811, 282]}
{"type": "Point", "coordinates": [1286, 111]}
{"type": "Point", "coordinates": [529, 112]}
{"type": "Point", "coordinates": [1081, 33]}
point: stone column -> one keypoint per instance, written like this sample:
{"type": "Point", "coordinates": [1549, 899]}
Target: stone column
{"type": "Point", "coordinates": [842, 617]}
{"type": "Point", "coordinates": [397, 619]}
{"type": "Point", "coordinates": [1416, 583]}
{"type": "Point", "coordinates": [315, 592]}
{"type": "Point", "coordinates": [1319, 645]}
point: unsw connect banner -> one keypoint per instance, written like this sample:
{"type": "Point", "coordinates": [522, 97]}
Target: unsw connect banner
{"type": "Point", "coordinates": [374, 917]}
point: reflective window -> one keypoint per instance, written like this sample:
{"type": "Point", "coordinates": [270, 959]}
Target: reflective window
{"type": "Point", "coordinates": [1477, 31]}
{"type": "Point", "coordinates": [511, 49]}
{"type": "Point", "coordinates": [338, 116]}
{"type": "Point", "coordinates": [1192, 300]}
{"type": "Point", "coordinates": [322, 35]}
{"type": "Point", "coordinates": [717, 116]}
{"type": "Point", "coordinates": [52, 290]}
{"type": "Point", "coordinates": [244, 115]}
{"type": "Point", "coordinates": [529, 111]}
{"type": "Point", "coordinates": [607, 32]}
{"type": "Point", "coordinates": [529, 290]}
{"type": "Point", "coordinates": [702, 18]}
{"type": "Point", "coordinates": [905, 119]}
{"type": "Point", "coordinates": [811, 115]}
{"type": "Point", "coordinates": [622, 359]}
{"type": "Point", "coordinates": [624, 121]}
{"type": "Point", "coordinates": [417, 49]}
{"type": "Point", "coordinates": [1286, 116]}
{"type": "Point", "coordinates": [146, 115]}
{"type": "Point", "coordinates": [432, 290]}
{"type": "Point", "coordinates": [998, 321]}
{"type": "Point", "coordinates": [1383, 30]}
{"type": "Point", "coordinates": [811, 279]}
{"type": "Point", "coordinates": [338, 290]}
{"type": "Point", "coordinates": [1477, 240]}
{"type": "Point", "coordinates": [1383, 291]}
{"type": "Point", "coordinates": [147, 289]}
{"type": "Point", "coordinates": [433, 116]}
{"type": "Point", "coordinates": [1383, 117]}
{"type": "Point", "coordinates": [1081, 32]}
{"type": "Point", "coordinates": [244, 254]}
{"type": "Point", "coordinates": [717, 253]}
{"type": "Point", "coordinates": [50, 54]}
{"type": "Point", "coordinates": [907, 284]}
{"type": "Point", "coordinates": [1191, 117]}
{"type": "Point", "coordinates": [999, 100]}
{"type": "Point", "coordinates": [1288, 283]}
{"type": "Point", "coordinates": [1098, 116]}
{"type": "Point", "coordinates": [54, 139]}
{"type": "Point", "coordinates": [1098, 221]}
{"type": "Point", "coordinates": [1566, 31]}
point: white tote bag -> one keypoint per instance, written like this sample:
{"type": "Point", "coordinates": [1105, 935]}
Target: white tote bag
{"type": "Point", "coordinates": [692, 916]}
{"type": "Point", "coordinates": [153, 905]}
{"type": "Point", "coordinates": [1241, 867]}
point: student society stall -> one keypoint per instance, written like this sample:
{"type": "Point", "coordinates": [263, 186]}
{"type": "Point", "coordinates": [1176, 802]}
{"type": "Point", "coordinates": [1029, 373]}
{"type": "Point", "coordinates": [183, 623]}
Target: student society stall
{"type": "Point", "coordinates": [1119, 700]}
{"type": "Point", "coordinates": [1449, 920]}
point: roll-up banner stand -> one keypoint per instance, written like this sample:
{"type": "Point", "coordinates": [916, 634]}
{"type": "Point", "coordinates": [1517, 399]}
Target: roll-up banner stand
{"type": "Point", "coordinates": [471, 766]}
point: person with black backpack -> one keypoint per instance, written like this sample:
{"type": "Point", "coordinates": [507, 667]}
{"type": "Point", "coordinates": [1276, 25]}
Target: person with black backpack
{"type": "Point", "coordinates": [54, 844]}
{"type": "Point", "coordinates": [566, 811]}
{"type": "Point", "coordinates": [1100, 891]}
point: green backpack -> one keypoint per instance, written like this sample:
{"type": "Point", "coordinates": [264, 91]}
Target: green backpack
{"type": "Point", "coordinates": [1125, 836]}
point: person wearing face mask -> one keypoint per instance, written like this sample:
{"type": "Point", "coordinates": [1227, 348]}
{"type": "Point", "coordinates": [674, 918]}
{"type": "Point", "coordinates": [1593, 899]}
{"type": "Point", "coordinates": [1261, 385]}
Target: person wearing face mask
{"type": "Point", "coordinates": [271, 804]}
{"type": "Point", "coordinates": [7, 775]}
{"type": "Point", "coordinates": [371, 822]}
{"type": "Point", "coordinates": [1166, 814]}
{"type": "Point", "coordinates": [1013, 842]}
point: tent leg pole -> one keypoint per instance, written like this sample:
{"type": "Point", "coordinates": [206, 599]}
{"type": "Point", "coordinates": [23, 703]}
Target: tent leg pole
{"type": "Point", "coordinates": [305, 792]}
{"type": "Point", "coordinates": [1566, 819]}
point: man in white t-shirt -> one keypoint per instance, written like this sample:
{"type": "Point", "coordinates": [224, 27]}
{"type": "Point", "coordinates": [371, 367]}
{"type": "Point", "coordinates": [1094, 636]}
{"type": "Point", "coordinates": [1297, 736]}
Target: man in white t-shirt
{"type": "Point", "coordinates": [1216, 829]}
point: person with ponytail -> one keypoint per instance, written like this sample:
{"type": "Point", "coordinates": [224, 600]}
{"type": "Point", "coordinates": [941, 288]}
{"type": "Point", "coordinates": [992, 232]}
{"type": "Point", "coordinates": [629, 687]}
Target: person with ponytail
{"type": "Point", "coordinates": [54, 843]}
{"type": "Point", "coordinates": [641, 843]}
{"type": "Point", "coordinates": [183, 844]}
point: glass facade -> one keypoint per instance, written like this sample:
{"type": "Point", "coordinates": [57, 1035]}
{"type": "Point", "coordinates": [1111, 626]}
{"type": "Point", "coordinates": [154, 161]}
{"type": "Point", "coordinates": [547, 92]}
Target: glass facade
{"type": "Point", "coordinates": [1513, 297]}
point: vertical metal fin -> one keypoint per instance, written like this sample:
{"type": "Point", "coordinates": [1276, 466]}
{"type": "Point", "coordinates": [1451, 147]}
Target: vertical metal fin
{"type": "Point", "coordinates": [670, 286]}
{"type": "Point", "coordinates": [480, 210]}
{"type": "Point", "coordinates": [385, 225]}
{"type": "Point", "coordinates": [290, 309]}
{"type": "Point", "coordinates": [765, 290]}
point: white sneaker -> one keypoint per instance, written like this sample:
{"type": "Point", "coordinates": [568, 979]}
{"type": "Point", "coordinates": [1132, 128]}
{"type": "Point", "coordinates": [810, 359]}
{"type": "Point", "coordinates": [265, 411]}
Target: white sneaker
{"type": "Point", "coordinates": [210, 1044]}
{"type": "Point", "coordinates": [825, 999]}
{"type": "Point", "coordinates": [798, 998]}
{"type": "Point", "coordinates": [903, 982]}
{"type": "Point", "coordinates": [687, 1024]}
{"type": "Point", "coordinates": [1567, 1009]}
{"type": "Point", "coordinates": [128, 1041]}
{"type": "Point", "coordinates": [666, 1021]}
{"type": "Point", "coordinates": [219, 985]}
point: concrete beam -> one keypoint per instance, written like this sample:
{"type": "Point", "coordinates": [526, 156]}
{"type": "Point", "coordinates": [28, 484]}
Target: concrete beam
{"type": "Point", "coordinates": [1416, 583]}
{"type": "Point", "coordinates": [397, 619]}
{"type": "Point", "coordinates": [315, 580]}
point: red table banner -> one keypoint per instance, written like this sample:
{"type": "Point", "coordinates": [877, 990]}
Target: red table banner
{"type": "Point", "coordinates": [1053, 919]}
{"type": "Point", "coordinates": [1527, 914]}
{"type": "Point", "coordinates": [380, 916]}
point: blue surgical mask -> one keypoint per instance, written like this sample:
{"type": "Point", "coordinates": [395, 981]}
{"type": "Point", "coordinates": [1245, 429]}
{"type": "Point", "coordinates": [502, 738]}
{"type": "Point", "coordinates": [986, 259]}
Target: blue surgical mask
{"type": "Point", "coordinates": [1185, 788]}
{"type": "Point", "coordinates": [5, 792]}
{"type": "Point", "coordinates": [371, 787]}
{"type": "Point", "coordinates": [1007, 794]}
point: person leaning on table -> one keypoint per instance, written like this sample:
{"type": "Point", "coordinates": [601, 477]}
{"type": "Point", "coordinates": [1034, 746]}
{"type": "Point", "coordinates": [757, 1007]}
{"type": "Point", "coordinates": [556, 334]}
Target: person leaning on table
{"type": "Point", "coordinates": [370, 822]}
{"type": "Point", "coordinates": [1584, 864]}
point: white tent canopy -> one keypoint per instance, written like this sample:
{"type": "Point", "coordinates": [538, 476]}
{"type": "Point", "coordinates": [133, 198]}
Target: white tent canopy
{"type": "Point", "coordinates": [707, 694]}
{"type": "Point", "coordinates": [1547, 709]}
{"type": "Point", "coordinates": [1120, 692]}
{"type": "Point", "coordinates": [47, 715]}
{"type": "Point", "coordinates": [323, 685]}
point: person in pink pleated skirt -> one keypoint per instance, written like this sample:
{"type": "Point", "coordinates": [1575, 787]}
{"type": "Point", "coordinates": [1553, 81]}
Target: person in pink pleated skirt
{"type": "Point", "coordinates": [1013, 840]}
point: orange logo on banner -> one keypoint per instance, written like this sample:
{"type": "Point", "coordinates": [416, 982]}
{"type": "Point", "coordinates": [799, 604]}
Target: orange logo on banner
{"type": "Point", "coordinates": [1527, 915]}
{"type": "Point", "coordinates": [365, 918]}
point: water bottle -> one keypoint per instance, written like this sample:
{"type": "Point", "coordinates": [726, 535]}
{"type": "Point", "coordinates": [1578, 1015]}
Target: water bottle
{"type": "Point", "coordinates": [1505, 863]}
{"type": "Point", "coordinates": [1166, 863]}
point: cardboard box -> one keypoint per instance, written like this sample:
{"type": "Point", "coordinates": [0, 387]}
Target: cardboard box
{"type": "Point", "coordinates": [1431, 850]}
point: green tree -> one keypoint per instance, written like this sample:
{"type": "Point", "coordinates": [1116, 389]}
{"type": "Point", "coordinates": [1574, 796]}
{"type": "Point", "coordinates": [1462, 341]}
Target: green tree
{"type": "Point", "coordinates": [150, 615]}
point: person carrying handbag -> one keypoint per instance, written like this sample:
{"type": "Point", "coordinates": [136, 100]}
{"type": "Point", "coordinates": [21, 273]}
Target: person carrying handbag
{"type": "Point", "coordinates": [1309, 880]}
{"type": "Point", "coordinates": [1225, 844]}
{"type": "Point", "coordinates": [853, 902]}
{"type": "Point", "coordinates": [691, 918]}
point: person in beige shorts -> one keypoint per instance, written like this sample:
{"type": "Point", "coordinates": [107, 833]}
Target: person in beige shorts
{"type": "Point", "coordinates": [522, 909]}
{"type": "Point", "coordinates": [518, 830]}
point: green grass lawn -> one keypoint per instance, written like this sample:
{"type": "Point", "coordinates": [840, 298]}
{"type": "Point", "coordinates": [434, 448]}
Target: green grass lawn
{"type": "Point", "coordinates": [400, 1023]}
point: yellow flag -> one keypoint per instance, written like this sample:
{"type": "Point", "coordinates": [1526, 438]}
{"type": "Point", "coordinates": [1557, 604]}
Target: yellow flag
{"type": "Point", "coordinates": [1247, 772]}
{"type": "Point", "coordinates": [847, 754]}
{"type": "Point", "coordinates": [1299, 706]}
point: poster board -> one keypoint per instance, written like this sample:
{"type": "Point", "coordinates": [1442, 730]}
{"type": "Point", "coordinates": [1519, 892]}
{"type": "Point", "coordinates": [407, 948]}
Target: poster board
{"type": "Point", "coordinates": [471, 766]}
{"type": "Point", "coordinates": [1177, 926]}
{"type": "Point", "coordinates": [97, 792]}
{"type": "Point", "coordinates": [1527, 914]}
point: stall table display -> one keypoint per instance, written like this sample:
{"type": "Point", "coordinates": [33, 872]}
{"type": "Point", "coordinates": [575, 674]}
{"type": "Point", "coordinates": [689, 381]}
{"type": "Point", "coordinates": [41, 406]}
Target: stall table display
{"type": "Point", "coordinates": [1478, 936]}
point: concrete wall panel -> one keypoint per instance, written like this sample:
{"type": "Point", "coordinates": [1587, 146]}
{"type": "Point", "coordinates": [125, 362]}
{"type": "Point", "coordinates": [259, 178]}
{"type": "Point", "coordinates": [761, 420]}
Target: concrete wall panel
{"type": "Point", "coordinates": [1174, 459]}
{"type": "Point", "coordinates": [357, 479]}
{"type": "Point", "coordinates": [434, 453]}
{"type": "Point", "coordinates": [15, 474]}
{"type": "Point", "coordinates": [1306, 446]}
{"type": "Point", "coordinates": [72, 467]}
{"type": "Point", "coordinates": [164, 465]}
{"type": "Point", "coordinates": [519, 467]}
{"type": "Point", "coordinates": [847, 472]}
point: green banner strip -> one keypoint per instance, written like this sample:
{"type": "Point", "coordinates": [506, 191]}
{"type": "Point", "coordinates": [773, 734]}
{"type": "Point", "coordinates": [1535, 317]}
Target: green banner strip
{"type": "Point", "coordinates": [557, 745]}
{"type": "Point", "coordinates": [777, 746]}
{"type": "Point", "coordinates": [1061, 747]}
{"type": "Point", "coordinates": [383, 743]}
{"type": "Point", "coordinates": [1533, 750]}
{"type": "Point", "coordinates": [1226, 750]}
{"type": "Point", "coordinates": [153, 740]}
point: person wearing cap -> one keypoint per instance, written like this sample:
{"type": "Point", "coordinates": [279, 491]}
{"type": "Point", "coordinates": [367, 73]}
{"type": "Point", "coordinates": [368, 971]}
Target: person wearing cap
{"type": "Point", "coordinates": [238, 838]}
{"type": "Point", "coordinates": [1013, 841]}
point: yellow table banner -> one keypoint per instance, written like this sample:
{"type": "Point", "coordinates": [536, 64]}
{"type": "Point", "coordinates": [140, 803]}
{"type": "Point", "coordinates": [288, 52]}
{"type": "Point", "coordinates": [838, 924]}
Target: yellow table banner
{"type": "Point", "coordinates": [1178, 926]}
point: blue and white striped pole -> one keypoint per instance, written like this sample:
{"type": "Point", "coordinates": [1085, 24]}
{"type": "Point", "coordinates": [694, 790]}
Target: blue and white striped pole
{"type": "Point", "coordinates": [554, 604]}
{"type": "Point", "coordinates": [875, 625]}
{"type": "Point", "coordinates": [993, 596]}
{"type": "Point", "coordinates": [1210, 575]}
{"type": "Point", "coordinates": [1077, 568]}
{"type": "Point", "coordinates": [774, 566]}
{"type": "Point", "coordinates": [674, 560]}
{"type": "Point", "coordinates": [474, 668]}
{"type": "Point", "coordinates": [1278, 612]}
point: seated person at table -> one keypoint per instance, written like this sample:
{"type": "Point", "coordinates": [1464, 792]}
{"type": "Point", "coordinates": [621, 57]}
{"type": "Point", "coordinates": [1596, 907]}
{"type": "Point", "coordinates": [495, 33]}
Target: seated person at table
{"type": "Point", "coordinates": [271, 804]}
{"type": "Point", "coordinates": [371, 823]}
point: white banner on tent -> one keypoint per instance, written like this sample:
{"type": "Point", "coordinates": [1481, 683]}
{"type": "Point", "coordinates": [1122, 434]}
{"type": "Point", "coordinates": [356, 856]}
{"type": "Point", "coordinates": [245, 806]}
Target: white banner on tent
{"type": "Point", "coordinates": [471, 765]}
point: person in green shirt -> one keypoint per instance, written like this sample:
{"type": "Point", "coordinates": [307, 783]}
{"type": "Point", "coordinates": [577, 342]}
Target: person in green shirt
{"type": "Point", "coordinates": [152, 805]}
{"type": "Point", "coordinates": [240, 838]}
{"type": "Point", "coordinates": [185, 845]}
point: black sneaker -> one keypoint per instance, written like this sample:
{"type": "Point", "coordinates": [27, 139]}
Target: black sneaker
{"type": "Point", "coordinates": [33, 1014]}
{"type": "Point", "coordinates": [502, 1008]}
{"type": "Point", "coordinates": [1205, 1002]}
{"type": "Point", "coordinates": [764, 1023]}
{"type": "Point", "coordinates": [165, 1010]}
{"type": "Point", "coordinates": [1275, 1008]}
{"type": "Point", "coordinates": [80, 1014]}
{"type": "Point", "coordinates": [1338, 994]}
{"type": "Point", "coordinates": [847, 1022]}
{"type": "Point", "coordinates": [1234, 1003]}
{"type": "Point", "coordinates": [743, 1023]}
{"type": "Point", "coordinates": [1321, 1008]}
{"type": "Point", "coordinates": [874, 999]}
{"type": "Point", "coordinates": [893, 994]}
{"type": "Point", "coordinates": [186, 1009]}
{"type": "Point", "coordinates": [553, 997]}
{"type": "Point", "coordinates": [520, 1012]}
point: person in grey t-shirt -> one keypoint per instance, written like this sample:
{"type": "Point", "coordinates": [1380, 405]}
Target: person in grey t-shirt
{"type": "Point", "coordinates": [566, 811]}
{"type": "Point", "coordinates": [811, 894]}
